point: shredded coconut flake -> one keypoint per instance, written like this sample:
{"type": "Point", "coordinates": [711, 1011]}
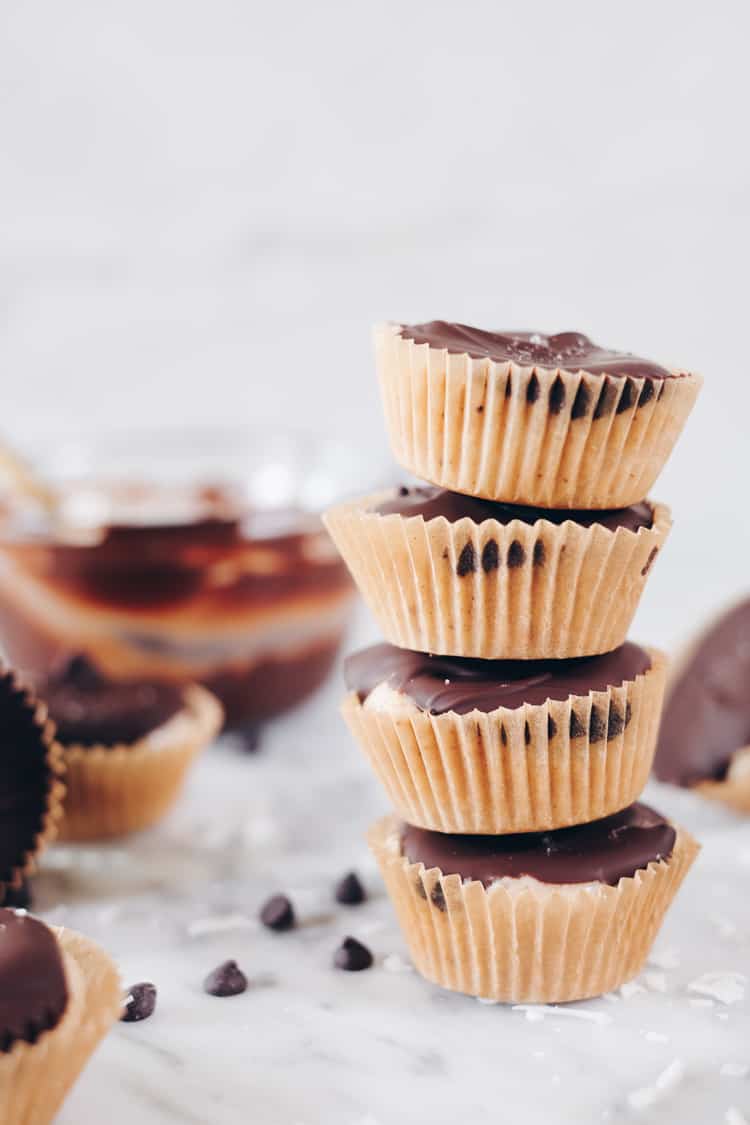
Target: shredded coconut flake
{"type": "Point", "coordinates": [666, 1081]}
{"type": "Point", "coordinates": [656, 982]}
{"type": "Point", "coordinates": [541, 1010]}
{"type": "Point", "coordinates": [394, 963]}
{"type": "Point", "coordinates": [630, 988]}
{"type": "Point", "coordinates": [655, 1036]}
{"type": "Point", "coordinates": [734, 1117]}
{"type": "Point", "coordinates": [728, 988]}
{"type": "Point", "coordinates": [664, 959]}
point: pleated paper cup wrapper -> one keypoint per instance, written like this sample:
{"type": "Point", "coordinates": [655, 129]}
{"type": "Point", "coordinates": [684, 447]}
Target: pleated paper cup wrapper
{"type": "Point", "coordinates": [529, 769]}
{"type": "Point", "coordinates": [523, 941]}
{"type": "Point", "coordinates": [496, 591]}
{"type": "Point", "coordinates": [528, 435]}
{"type": "Point", "coordinates": [35, 1077]}
{"type": "Point", "coordinates": [115, 790]}
{"type": "Point", "coordinates": [29, 732]}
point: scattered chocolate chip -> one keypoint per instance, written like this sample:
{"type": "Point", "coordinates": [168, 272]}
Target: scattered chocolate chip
{"type": "Point", "coordinates": [349, 891]}
{"type": "Point", "coordinates": [551, 727]}
{"type": "Point", "coordinates": [532, 389]}
{"type": "Point", "coordinates": [577, 729]}
{"type": "Point", "coordinates": [516, 554]}
{"type": "Point", "coordinates": [467, 561]}
{"type": "Point", "coordinates": [615, 723]}
{"type": "Point", "coordinates": [627, 397]}
{"type": "Point", "coordinates": [250, 737]}
{"type": "Point", "coordinates": [557, 395]}
{"type": "Point", "coordinates": [649, 561]}
{"type": "Point", "coordinates": [140, 1002]}
{"type": "Point", "coordinates": [647, 391]}
{"type": "Point", "coordinates": [490, 556]}
{"type": "Point", "coordinates": [278, 914]}
{"type": "Point", "coordinates": [437, 897]}
{"type": "Point", "coordinates": [352, 956]}
{"type": "Point", "coordinates": [540, 555]}
{"type": "Point", "coordinates": [581, 401]}
{"type": "Point", "coordinates": [18, 898]}
{"type": "Point", "coordinates": [597, 725]}
{"type": "Point", "coordinates": [225, 980]}
{"type": "Point", "coordinates": [606, 401]}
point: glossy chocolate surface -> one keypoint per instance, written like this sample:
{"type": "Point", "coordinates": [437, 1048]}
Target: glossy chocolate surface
{"type": "Point", "coordinates": [88, 709]}
{"type": "Point", "coordinates": [33, 989]}
{"type": "Point", "coordinates": [567, 351]}
{"type": "Point", "coordinates": [439, 684]}
{"type": "Point", "coordinates": [603, 851]}
{"type": "Point", "coordinates": [430, 502]}
{"type": "Point", "coordinates": [707, 714]}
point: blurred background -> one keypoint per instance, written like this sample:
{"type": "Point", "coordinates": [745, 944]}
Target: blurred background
{"type": "Point", "coordinates": [203, 208]}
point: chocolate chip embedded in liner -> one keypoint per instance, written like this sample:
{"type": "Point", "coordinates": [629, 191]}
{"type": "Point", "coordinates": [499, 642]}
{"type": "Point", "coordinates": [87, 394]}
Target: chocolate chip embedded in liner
{"type": "Point", "coordinates": [437, 897]}
{"type": "Point", "coordinates": [278, 914]}
{"type": "Point", "coordinates": [616, 723]}
{"type": "Point", "coordinates": [581, 401]}
{"type": "Point", "coordinates": [352, 956]}
{"type": "Point", "coordinates": [227, 979]}
{"type": "Point", "coordinates": [647, 392]}
{"type": "Point", "coordinates": [606, 401]}
{"type": "Point", "coordinates": [516, 555]}
{"type": "Point", "coordinates": [551, 727]}
{"type": "Point", "coordinates": [597, 725]}
{"type": "Point", "coordinates": [140, 1002]}
{"type": "Point", "coordinates": [419, 888]}
{"type": "Point", "coordinates": [540, 555]}
{"type": "Point", "coordinates": [532, 389]}
{"type": "Point", "coordinates": [577, 729]}
{"type": "Point", "coordinates": [556, 396]}
{"type": "Point", "coordinates": [508, 387]}
{"type": "Point", "coordinates": [349, 890]}
{"type": "Point", "coordinates": [467, 561]}
{"type": "Point", "coordinates": [627, 397]}
{"type": "Point", "coordinates": [490, 556]}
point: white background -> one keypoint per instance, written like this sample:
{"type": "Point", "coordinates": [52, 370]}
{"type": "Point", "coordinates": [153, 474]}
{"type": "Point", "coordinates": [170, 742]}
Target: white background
{"type": "Point", "coordinates": [205, 206]}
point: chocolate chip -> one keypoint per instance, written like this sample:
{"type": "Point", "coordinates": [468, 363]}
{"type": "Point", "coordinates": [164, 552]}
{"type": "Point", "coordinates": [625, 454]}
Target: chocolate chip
{"type": "Point", "coordinates": [503, 734]}
{"type": "Point", "coordinates": [597, 725]}
{"type": "Point", "coordinates": [349, 891]}
{"type": "Point", "coordinates": [352, 956]}
{"type": "Point", "coordinates": [81, 672]}
{"type": "Point", "coordinates": [140, 1002]}
{"type": "Point", "coordinates": [647, 391]}
{"type": "Point", "coordinates": [551, 727]}
{"type": "Point", "coordinates": [577, 729]}
{"type": "Point", "coordinates": [615, 723]}
{"type": "Point", "coordinates": [627, 397]}
{"type": "Point", "coordinates": [557, 395]}
{"type": "Point", "coordinates": [419, 888]}
{"type": "Point", "coordinates": [480, 409]}
{"type": "Point", "coordinates": [532, 389]}
{"type": "Point", "coordinates": [490, 556]}
{"type": "Point", "coordinates": [649, 561]}
{"type": "Point", "coordinates": [581, 401]}
{"type": "Point", "coordinates": [606, 401]}
{"type": "Point", "coordinates": [437, 898]}
{"type": "Point", "coordinates": [516, 555]}
{"type": "Point", "coordinates": [403, 490]}
{"type": "Point", "coordinates": [527, 733]}
{"type": "Point", "coordinates": [18, 898]}
{"type": "Point", "coordinates": [540, 555]}
{"type": "Point", "coordinates": [227, 979]}
{"type": "Point", "coordinates": [249, 737]}
{"type": "Point", "coordinates": [508, 387]}
{"type": "Point", "coordinates": [467, 561]}
{"type": "Point", "coordinates": [278, 914]}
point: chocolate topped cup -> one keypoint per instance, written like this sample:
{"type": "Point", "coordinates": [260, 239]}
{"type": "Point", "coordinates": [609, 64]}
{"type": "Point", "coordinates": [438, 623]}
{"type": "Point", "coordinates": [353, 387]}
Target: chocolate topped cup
{"type": "Point", "coordinates": [704, 740]}
{"type": "Point", "coordinates": [547, 918]}
{"type": "Point", "coordinates": [451, 574]}
{"type": "Point", "coordinates": [31, 790]}
{"type": "Point", "coordinates": [495, 747]}
{"type": "Point", "coordinates": [552, 421]}
{"type": "Point", "coordinates": [33, 989]}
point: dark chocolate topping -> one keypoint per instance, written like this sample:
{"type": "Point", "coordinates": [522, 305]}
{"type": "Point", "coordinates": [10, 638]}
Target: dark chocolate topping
{"type": "Point", "coordinates": [707, 714]}
{"type": "Point", "coordinates": [89, 709]}
{"type": "Point", "coordinates": [26, 778]}
{"type": "Point", "coordinates": [603, 851]}
{"type": "Point", "coordinates": [33, 989]}
{"type": "Point", "coordinates": [430, 502]}
{"type": "Point", "coordinates": [451, 683]}
{"type": "Point", "coordinates": [567, 351]}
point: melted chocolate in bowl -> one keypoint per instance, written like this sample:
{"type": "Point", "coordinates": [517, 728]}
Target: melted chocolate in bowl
{"type": "Point", "coordinates": [603, 851]}
{"type": "Point", "coordinates": [33, 989]}
{"type": "Point", "coordinates": [568, 351]}
{"type": "Point", "coordinates": [177, 584]}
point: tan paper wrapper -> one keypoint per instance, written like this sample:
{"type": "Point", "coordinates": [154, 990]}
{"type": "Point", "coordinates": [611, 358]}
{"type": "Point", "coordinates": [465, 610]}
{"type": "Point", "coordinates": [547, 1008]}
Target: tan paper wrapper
{"type": "Point", "coordinates": [568, 591]}
{"type": "Point", "coordinates": [522, 941]}
{"type": "Point", "coordinates": [498, 772]}
{"type": "Point", "coordinates": [35, 1078]}
{"type": "Point", "coordinates": [22, 698]}
{"type": "Point", "coordinates": [487, 429]}
{"type": "Point", "coordinates": [113, 791]}
{"type": "Point", "coordinates": [734, 790]}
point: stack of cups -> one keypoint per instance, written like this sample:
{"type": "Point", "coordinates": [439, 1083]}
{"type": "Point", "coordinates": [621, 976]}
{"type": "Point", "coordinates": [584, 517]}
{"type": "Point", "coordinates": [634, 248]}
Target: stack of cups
{"type": "Point", "coordinates": [511, 723]}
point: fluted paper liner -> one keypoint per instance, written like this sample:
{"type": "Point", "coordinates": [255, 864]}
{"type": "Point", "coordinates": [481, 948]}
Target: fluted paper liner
{"type": "Point", "coordinates": [523, 941]}
{"type": "Point", "coordinates": [527, 769]}
{"type": "Point", "coordinates": [35, 1077]}
{"type": "Point", "coordinates": [115, 790]}
{"type": "Point", "coordinates": [528, 435]}
{"type": "Point", "coordinates": [26, 716]}
{"type": "Point", "coordinates": [496, 591]}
